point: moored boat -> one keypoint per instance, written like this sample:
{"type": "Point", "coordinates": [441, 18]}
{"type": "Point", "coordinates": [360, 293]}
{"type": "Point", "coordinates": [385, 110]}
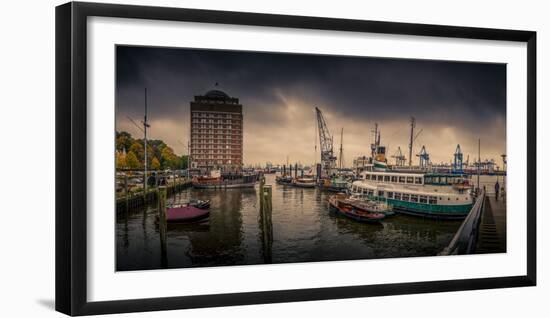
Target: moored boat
{"type": "Point", "coordinates": [186, 214]}
{"type": "Point", "coordinates": [225, 182]}
{"type": "Point", "coordinates": [370, 206]}
{"type": "Point", "coordinates": [340, 204]}
{"type": "Point", "coordinates": [286, 179]}
{"type": "Point", "coordinates": [304, 182]}
{"type": "Point", "coordinates": [436, 195]}
{"type": "Point", "coordinates": [334, 185]}
{"type": "Point", "coordinates": [200, 204]}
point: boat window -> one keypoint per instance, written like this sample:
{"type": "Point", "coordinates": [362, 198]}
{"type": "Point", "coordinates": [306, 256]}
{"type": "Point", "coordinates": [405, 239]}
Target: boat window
{"type": "Point", "coordinates": [397, 196]}
{"type": "Point", "coordinates": [414, 198]}
{"type": "Point", "coordinates": [390, 195]}
{"type": "Point", "coordinates": [432, 200]}
{"type": "Point", "coordinates": [427, 180]}
{"type": "Point", "coordinates": [367, 176]}
{"type": "Point", "coordinates": [418, 180]}
{"type": "Point", "coordinates": [371, 192]}
{"type": "Point", "coordinates": [393, 178]}
{"type": "Point", "coordinates": [386, 178]}
{"type": "Point", "coordinates": [423, 199]}
{"type": "Point", "coordinates": [401, 179]}
{"type": "Point", "coordinates": [380, 193]}
{"type": "Point", "coordinates": [409, 179]}
{"type": "Point", "coordinates": [380, 177]}
{"type": "Point", "coordinates": [405, 197]}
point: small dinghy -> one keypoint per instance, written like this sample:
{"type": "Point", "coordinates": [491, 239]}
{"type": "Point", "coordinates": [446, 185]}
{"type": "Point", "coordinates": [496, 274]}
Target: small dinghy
{"type": "Point", "coordinates": [200, 204]}
{"type": "Point", "coordinates": [186, 214]}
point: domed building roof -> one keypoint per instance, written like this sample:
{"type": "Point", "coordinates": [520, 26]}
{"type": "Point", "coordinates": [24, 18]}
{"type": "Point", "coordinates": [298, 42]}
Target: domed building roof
{"type": "Point", "coordinates": [216, 94]}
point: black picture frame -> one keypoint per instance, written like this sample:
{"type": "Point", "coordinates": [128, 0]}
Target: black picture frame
{"type": "Point", "coordinates": [71, 157]}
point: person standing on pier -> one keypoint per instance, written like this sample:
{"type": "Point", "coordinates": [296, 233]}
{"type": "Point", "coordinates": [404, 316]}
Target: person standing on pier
{"type": "Point", "coordinates": [497, 188]}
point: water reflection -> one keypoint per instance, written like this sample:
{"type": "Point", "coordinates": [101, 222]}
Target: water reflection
{"type": "Point", "coordinates": [299, 229]}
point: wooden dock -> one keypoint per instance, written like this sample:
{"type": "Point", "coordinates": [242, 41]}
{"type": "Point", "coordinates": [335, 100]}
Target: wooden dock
{"type": "Point", "coordinates": [131, 201]}
{"type": "Point", "coordinates": [492, 228]}
{"type": "Point", "coordinates": [483, 231]}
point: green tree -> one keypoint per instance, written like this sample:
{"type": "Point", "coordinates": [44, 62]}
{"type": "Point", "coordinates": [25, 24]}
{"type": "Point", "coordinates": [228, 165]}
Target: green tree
{"type": "Point", "coordinates": [184, 162]}
{"type": "Point", "coordinates": [131, 161]}
{"type": "Point", "coordinates": [123, 141]}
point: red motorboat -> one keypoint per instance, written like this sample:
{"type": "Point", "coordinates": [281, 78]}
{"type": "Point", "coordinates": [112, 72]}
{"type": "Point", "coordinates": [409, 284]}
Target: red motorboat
{"type": "Point", "coordinates": [339, 203]}
{"type": "Point", "coordinates": [186, 214]}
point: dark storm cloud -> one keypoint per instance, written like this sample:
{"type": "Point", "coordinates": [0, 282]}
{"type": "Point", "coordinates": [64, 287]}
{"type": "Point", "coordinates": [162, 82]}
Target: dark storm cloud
{"type": "Point", "coordinates": [276, 89]}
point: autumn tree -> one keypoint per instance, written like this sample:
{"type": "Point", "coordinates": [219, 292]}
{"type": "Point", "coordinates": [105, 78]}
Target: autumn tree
{"type": "Point", "coordinates": [131, 161]}
{"type": "Point", "coordinates": [155, 164]}
{"type": "Point", "coordinates": [169, 158]}
{"type": "Point", "coordinates": [120, 160]}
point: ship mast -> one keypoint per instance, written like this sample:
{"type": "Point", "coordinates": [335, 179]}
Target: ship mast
{"type": "Point", "coordinates": [341, 157]}
{"type": "Point", "coordinates": [413, 124]}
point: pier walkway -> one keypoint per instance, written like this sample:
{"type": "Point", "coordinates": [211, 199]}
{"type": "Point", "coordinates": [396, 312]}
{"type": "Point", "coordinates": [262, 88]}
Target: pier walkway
{"type": "Point", "coordinates": [483, 230]}
{"type": "Point", "coordinates": [492, 228]}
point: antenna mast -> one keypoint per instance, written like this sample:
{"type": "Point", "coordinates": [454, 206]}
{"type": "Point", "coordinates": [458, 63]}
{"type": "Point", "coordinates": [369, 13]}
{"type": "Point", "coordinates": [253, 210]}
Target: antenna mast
{"type": "Point", "coordinates": [145, 125]}
{"type": "Point", "coordinates": [413, 124]}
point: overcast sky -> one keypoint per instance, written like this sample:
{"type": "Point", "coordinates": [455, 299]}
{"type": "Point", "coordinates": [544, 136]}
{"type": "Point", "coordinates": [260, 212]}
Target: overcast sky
{"type": "Point", "coordinates": [453, 102]}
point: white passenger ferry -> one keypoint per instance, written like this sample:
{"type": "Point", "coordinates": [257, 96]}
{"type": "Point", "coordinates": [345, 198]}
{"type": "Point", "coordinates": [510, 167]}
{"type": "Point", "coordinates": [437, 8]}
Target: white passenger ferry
{"type": "Point", "coordinates": [420, 193]}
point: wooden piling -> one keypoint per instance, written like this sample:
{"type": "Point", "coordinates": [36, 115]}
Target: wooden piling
{"type": "Point", "coordinates": [266, 224]}
{"type": "Point", "coordinates": [126, 195]}
{"type": "Point", "coordinates": [161, 210]}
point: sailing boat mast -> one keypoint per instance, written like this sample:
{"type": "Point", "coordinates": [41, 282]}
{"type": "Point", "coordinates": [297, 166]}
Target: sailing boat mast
{"type": "Point", "coordinates": [145, 125]}
{"type": "Point", "coordinates": [341, 156]}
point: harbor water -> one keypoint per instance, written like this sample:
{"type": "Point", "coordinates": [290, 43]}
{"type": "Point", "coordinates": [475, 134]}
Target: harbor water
{"type": "Point", "coordinates": [303, 231]}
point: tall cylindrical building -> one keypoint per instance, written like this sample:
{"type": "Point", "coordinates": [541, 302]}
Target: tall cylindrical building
{"type": "Point", "coordinates": [216, 132]}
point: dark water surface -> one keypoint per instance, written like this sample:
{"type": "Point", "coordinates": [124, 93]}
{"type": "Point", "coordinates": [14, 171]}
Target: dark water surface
{"type": "Point", "coordinates": [303, 231]}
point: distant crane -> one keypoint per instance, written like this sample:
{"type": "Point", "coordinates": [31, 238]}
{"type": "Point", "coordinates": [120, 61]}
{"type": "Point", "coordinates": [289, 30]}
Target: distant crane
{"type": "Point", "coordinates": [424, 157]}
{"type": "Point", "coordinates": [399, 158]}
{"type": "Point", "coordinates": [457, 164]}
{"type": "Point", "coordinates": [328, 160]}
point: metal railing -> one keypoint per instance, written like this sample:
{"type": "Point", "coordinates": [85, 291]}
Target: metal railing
{"type": "Point", "coordinates": [465, 239]}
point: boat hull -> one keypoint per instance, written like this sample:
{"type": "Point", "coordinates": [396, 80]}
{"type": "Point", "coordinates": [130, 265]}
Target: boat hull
{"type": "Point", "coordinates": [186, 214]}
{"type": "Point", "coordinates": [349, 212]}
{"type": "Point", "coordinates": [304, 185]}
{"type": "Point", "coordinates": [222, 185]}
{"type": "Point", "coordinates": [447, 212]}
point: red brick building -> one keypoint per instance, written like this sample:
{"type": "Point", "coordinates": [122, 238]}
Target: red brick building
{"type": "Point", "coordinates": [216, 132]}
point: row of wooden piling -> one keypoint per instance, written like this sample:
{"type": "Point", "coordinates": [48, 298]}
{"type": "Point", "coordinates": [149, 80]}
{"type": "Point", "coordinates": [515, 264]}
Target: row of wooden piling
{"type": "Point", "coordinates": [132, 201]}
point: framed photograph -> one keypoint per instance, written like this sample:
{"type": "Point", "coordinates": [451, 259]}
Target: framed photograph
{"type": "Point", "coordinates": [208, 158]}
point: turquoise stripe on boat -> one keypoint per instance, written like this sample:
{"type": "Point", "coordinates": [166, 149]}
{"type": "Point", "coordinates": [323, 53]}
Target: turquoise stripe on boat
{"type": "Point", "coordinates": [429, 208]}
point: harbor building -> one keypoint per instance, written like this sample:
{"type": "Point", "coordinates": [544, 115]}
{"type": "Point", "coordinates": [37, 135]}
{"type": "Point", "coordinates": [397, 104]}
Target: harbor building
{"type": "Point", "coordinates": [216, 132]}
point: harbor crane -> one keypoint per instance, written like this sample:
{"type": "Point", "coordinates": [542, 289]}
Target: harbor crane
{"type": "Point", "coordinates": [399, 158]}
{"type": "Point", "coordinates": [457, 164]}
{"type": "Point", "coordinates": [328, 159]}
{"type": "Point", "coordinates": [424, 157]}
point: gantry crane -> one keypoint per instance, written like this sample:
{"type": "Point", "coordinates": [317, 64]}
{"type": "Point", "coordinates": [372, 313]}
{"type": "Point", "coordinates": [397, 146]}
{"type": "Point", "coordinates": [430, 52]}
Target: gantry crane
{"type": "Point", "coordinates": [328, 159]}
{"type": "Point", "coordinates": [399, 158]}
